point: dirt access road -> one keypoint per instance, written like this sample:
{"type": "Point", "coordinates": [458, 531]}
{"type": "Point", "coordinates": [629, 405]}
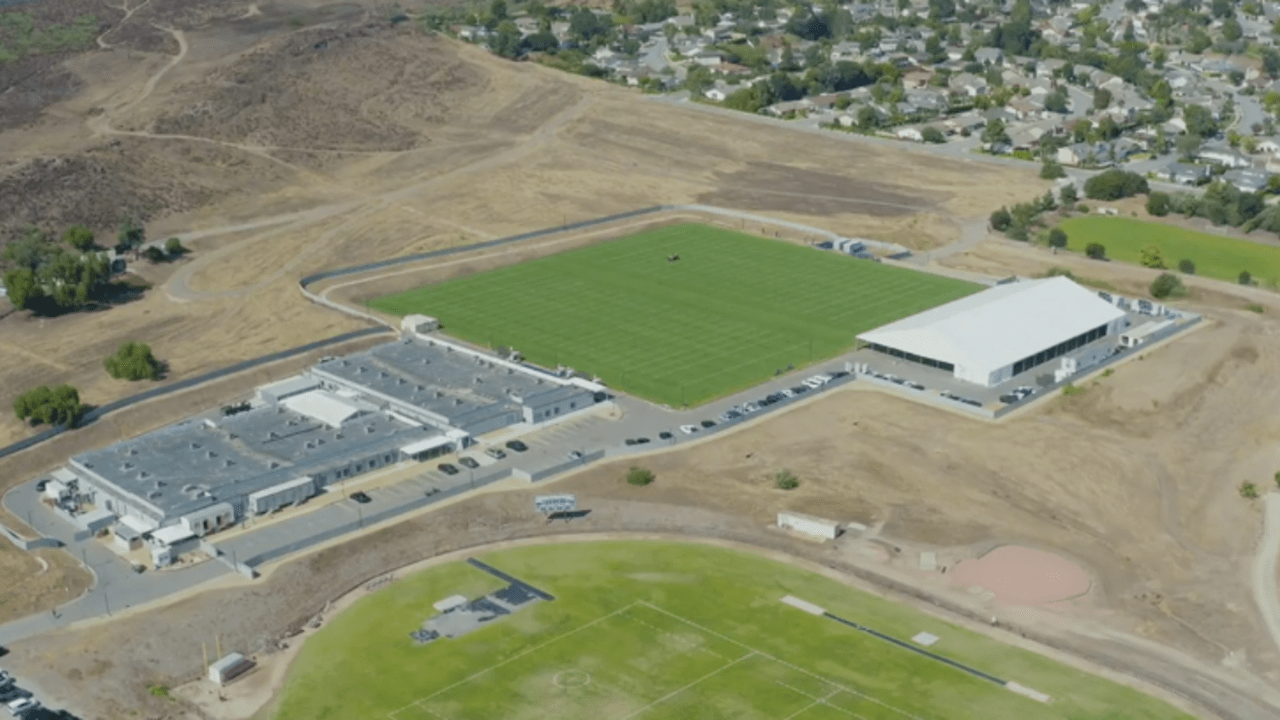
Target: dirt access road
{"type": "Point", "coordinates": [1265, 570]}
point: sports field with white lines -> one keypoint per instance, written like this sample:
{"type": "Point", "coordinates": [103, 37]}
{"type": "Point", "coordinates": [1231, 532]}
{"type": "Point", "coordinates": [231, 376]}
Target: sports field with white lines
{"type": "Point", "coordinates": [668, 631]}
{"type": "Point", "coordinates": [730, 312]}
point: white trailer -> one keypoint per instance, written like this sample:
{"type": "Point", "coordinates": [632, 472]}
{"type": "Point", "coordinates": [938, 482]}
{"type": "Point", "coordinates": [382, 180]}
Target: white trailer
{"type": "Point", "coordinates": [809, 525]}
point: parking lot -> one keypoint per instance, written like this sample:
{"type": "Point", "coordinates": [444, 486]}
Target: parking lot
{"type": "Point", "coordinates": [23, 704]}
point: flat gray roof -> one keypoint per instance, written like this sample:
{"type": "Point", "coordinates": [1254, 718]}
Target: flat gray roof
{"type": "Point", "coordinates": [456, 385]}
{"type": "Point", "coordinates": [170, 468]}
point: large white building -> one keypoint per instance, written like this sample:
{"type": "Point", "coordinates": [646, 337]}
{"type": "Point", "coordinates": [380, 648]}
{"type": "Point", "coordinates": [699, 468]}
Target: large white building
{"type": "Point", "coordinates": [990, 336]}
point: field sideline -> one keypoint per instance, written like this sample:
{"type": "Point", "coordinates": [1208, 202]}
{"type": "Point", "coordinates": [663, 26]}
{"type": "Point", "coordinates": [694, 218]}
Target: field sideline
{"type": "Point", "coordinates": [727, 315]}
{"type": "Point", "coordinates": [666, 631]}
{"type": "Point", "coordinates": [1215, 256]}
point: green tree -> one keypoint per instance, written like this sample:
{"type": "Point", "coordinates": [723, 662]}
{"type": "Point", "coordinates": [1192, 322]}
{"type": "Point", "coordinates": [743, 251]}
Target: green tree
{"type": "Point", "coordinates": [154, 255]}
{"type": "Point", "coordinates": [173, 246]}
{"type": "Point", "coordinates": [931, 134]}
{"type": "Point", "coordinates": [1068, 195]}
{"type": "Point", "coordinates": [786, 480]}
{"type": "Point", "coordinates": [639, 476]}
{"type": "Point", "coordinates": [1271, 63]}
{"type": "Point", "coordinates": [1095, 251]}
{"type": "Point", "coordinates": [58, 406]}
{"type": "Point", "coordinates": [1158, 203]}
{"type": "Point", "coordinates": [994, 133]}
{"type": "Point", "coordinates": [506, 41]}
{"type": "Point", "coordinates": [1101, 99]}
{"type": "Point", "coordinates": [79, 237]}
{"type": "Point", "coordinates": [1244, 278]}
{"type": "Point", "coordinates": [1051, 170]}
{"type": "Point", "coordinates": [1186, 267]}
{"type": "Point", "coordinates": [1151, 257]}
{"type": "Point", "coordinates": [1056, 101]}
{"type": "Point", "coordinates": [134, 361]}
{"type": "Point", "coordinates": [23, 290]}
{"type": "Point", "coordinates": [1057, 238]}
{"type": "Point", "coordinates": [1115, 184]}
{"type": "Point", "coordinates": [1199, 121]}
{"type": "Point", "coordinates": [1001, 219]}
{"type": "Point", "coordinates": [1166, 285]}
{"type": "Point", "coordinates": [130, 237]}
{"type": "Point", "coordinates": [1231, 30]}
{"type": "Point", "coordinates": [1188, 146]}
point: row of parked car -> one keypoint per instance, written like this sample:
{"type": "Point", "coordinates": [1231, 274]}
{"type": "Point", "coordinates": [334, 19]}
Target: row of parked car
{"type": "Point", "coordinates": [1018, 394]}
{"type": "Point", "coordinates": [897, 380]}
{"type": "Point", "coordinates": [17, 701]}
{"type": "Point", "coordinates": [471, 463]}
{"type": "Point", "coordinates": [754, 406]}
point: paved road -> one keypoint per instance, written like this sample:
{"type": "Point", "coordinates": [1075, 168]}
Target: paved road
{"type": "Point", "coordinates": [1264, 568]}
{"type": "Point", "coordinates": [116, 587]}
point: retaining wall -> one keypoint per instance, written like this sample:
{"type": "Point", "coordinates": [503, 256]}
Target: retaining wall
{"type": "Point", "coordinates": [24, 543]}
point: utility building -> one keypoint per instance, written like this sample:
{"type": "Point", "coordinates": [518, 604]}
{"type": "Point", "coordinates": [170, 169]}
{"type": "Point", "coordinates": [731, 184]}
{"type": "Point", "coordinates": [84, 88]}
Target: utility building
{"type": "Point", "coordinates": [989, 337]}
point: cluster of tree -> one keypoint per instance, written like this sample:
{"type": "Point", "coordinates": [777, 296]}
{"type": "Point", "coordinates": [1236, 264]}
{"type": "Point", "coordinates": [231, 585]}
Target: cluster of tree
{"type": "Point", "coordinates": [1166, 285]}
{"type": "Point", "coordinates": [172, 249]}
{"type": "Point", "coordinates": [134, 361]}
{"type": "Point", "coordinates": [1115, 184]}
{"type": "Point", "coordinates": [1017, 223]}
{"type": "Point", "coordinates": [1222, 204]}
{"type": "Point", "coordinates": [44, 275]}
{"type": "Point", "coordinates": [645, 11]}
{"type": "Point", "coordinates": [57, 406]}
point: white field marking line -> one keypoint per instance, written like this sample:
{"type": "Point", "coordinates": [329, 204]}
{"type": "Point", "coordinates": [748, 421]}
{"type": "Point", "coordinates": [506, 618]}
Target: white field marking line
{"type": "Point", "coordinates": [780, 661]}
{"type": "Point", "coordinates": [816, 702]}
{"type": "Point", "coordinates": [677, 691]}
{"type": "Point", "coordinates": [819, 700]}
{"type": "Point", "coordinates": [511, 659]}
{"type": "Point", "coordinates": [682, 641]}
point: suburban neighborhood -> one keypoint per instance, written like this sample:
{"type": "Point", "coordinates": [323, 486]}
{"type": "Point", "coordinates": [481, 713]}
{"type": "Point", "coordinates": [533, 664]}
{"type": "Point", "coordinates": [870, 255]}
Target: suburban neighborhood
{"type": "Point", "coordinates": [1181, 92]}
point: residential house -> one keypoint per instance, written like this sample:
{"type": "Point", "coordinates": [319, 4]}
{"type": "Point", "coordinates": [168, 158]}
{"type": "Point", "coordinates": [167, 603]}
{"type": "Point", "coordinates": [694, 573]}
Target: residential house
{"type": "Point", "coordinates": [1184, 174]}
{"type": "Point", "coordinates": [1225, 156]}
{"type": "Point", "coordinates": [1079, 154]}
{"type": "Point", "coordinates": [971, 121]}
{"type": "Point", "coordinates": [527, 25]}
{"type": "Point", "coordinates": [917, 78]}
{"type": "Point", "coordinates": [969, 84]}
{"type": "Point", "coordinates": [989, 56]}
{"type": "Point", "coordinates": [792, 106]}
{"type": "Point", "coordinates": [1250, 180]}
{"type": "Point", "coordinates": [845, 51]}
{"type": "Point", "coordinates": [707, 58]}
{"type": "Point", "coordinates": [1268, 145]}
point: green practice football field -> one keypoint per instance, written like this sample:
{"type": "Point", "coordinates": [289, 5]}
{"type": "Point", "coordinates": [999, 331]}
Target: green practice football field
{"type": "Point", "coordinates": [1214, 256]}
{"type": "Point", "coordinates": [729, 313]}
{"type": "Point", "coordinates": [667, 631]}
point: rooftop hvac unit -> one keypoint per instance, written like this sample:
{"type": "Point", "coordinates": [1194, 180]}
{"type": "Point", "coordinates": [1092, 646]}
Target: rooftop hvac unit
{"type": "Point", "coordinates": [479, 379]}
{"type": "Point", "coordinates": [309, 444]}
{"type": "Point", "coordinates": [439, 393]}
{"type": "Point", "coordinates": [133, 451]}
{"type": "Point", "coordinates": [127, 466]}
{"type": "Point", "coordinates": [399, 381]}
{"type": "Point", "coordinates": [154, 494]}
{"type": "Point", "coordinates": [368, 429]}
{"type": "Point", "coordinates": [457, 401]}
{"type": "Point", "coordinates": [195, 446]}
{"type": "Point", "coordinates": [337, 436]}
{"type": "Point", "coordinates": [360, 370]}
{"type": "Point", "coordinates": [211, 454]}
{"type": "Point", "coordinates": [418, 388]}
{"type": "Point", "coordinates": [273, 465]}
{"type": "Point", "coordinates": [228, 463]}
{"type": "Point", "coordinates": [188, 487]}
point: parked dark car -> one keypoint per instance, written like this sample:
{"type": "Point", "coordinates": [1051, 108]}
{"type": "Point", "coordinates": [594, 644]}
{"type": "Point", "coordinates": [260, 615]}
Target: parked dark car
{"type": "Point", "coordinates": [468, 462]}
{"type": "Point", "coordinates": [40, 486]}
{"type": "Point", "coordinates": [664, 435]}
{"type": "Point", "coordinates": [641, 440]}
{"type": "Point", "coordinates": [517, 446]}
{"type": "Point", "coordinates": [448, 469]}
{"type": "Point", "coordinates": [361, 497]}
{"type": "Point", "coordinates": [708, 423]}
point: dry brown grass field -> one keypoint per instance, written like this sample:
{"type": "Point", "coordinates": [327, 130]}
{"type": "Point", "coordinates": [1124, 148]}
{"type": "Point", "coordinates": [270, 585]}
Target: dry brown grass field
{"type": "Point", "coordinates": [276, 150]}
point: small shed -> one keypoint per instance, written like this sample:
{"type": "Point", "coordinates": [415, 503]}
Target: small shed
{"type": "Point", "coordinates": [170, 542]}
{"type": "Point", "coordinates": [210, 519]}
{"type": "Point", "coordinates": [809, 525]}
{"type": "Point", "coordinates": [126, 538]}
{"type": "Point", "coordinates": [229, 668]}
{"type": "Point", "coordinates": [419, 324]}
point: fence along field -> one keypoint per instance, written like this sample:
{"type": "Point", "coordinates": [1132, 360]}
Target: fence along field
{"type": "Point", "coordinates": [727, 314]}
{"type": "Point", "coordinates": [669, 631]}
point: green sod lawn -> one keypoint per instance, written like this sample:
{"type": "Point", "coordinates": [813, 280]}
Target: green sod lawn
{"type": "Point", "coordinates": [734, 309]}
{"type": "Point", "coordinates": [669, 631]}
{"type": "Point", "coordinates": [1215, 256]}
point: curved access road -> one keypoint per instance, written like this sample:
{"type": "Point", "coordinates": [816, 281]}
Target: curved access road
{"type": "Point", "coordinates": [1265, 591]}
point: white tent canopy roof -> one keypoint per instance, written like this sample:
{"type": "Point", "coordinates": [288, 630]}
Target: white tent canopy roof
{"type": "Point", "coordinates": [999, 326]}
{"type": "Point", "coordinates": [324, 406]}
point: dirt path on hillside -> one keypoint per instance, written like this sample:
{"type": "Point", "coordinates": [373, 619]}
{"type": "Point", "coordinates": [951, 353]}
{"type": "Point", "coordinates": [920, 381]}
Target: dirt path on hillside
{"type": "Point", "coordinates": [1264, 567]}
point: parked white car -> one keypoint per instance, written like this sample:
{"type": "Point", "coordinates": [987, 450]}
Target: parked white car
{"type": "Point", "coordinates": [19, 708]}
{"type": "Point", "coordinates": [688, 429]}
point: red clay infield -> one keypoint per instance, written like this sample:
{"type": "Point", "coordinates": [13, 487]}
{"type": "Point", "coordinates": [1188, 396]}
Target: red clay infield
{"type": "Point", "coordinates": [1022, 576]}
